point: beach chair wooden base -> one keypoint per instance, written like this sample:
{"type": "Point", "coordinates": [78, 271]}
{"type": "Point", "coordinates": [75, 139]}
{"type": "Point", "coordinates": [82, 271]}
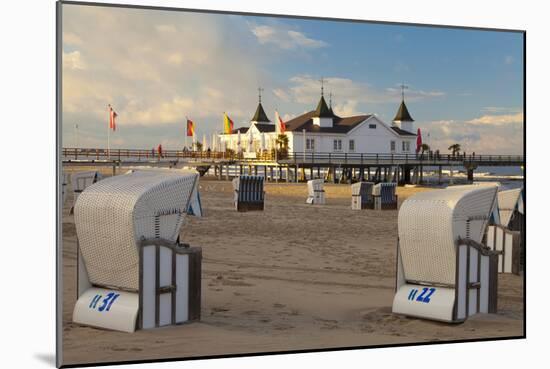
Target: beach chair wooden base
{"type": "Point", "coordinates": [250, 206]}
{"type": "Point", "coordinates": [379, 205]}
{"type": "Point", "coordinates": [508, 245]}
{"type": "Point", "coordinates": [169, 291]}
{"type": "Point", "coordinates": [318, 198]}
{"type": "Point", "coordinates": [357, 203]}
{"type": "Point", "coordinates": [474, 290]}
{"type": "Point", "coordinates": [361, 196]}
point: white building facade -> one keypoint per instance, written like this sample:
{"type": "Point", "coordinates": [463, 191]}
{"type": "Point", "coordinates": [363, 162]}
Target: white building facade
{"type": "Point", "coordinates": [322, 131]}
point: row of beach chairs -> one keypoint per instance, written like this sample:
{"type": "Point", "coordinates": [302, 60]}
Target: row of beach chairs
{"type": "Point", "coordinates": [367, 195]}
{"type": "Point", "coordinates": [133, 272]}
{"type": "Point", "coordinates": [249, 194]}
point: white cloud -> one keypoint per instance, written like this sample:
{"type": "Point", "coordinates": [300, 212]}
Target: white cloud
{"type": "Point", "coordinates": [71, 39]}
{"type": "Point", "coordinates": [501, 109]}
{"type": "Point", "coordinates": [157, 73]}
{"type": "Point", "coordinates": [166, 28]}
{"type": "Point", "coordinates": [349, 95]}
{"type": "Point", "coordinates": [73, 60]}
{"type": "Point", "coordinates": [347, 108]}
{"type": "Point", "coordinates": [175, 58]}
{"type": "Point", "coordinates": [285, 38]}
{"type": "Point", "coordinates": [497, 120]}
{"type": "Point", "coordinates": [479, 138]}
{"type": "Point", "coordinates": [281, 94]}
{"type": "Point", "coordinates": [413, 94]}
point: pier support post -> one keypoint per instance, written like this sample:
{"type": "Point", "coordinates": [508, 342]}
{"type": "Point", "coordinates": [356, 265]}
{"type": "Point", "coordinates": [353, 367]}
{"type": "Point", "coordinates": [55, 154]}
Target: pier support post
{"type": "Point", "coordinates": [265, 173]}
{"type": "Point", "coordinates": [406, 174]}
{"type": "Point", "coordinates": [227, 172]}
{"type": "Point", "coordinates": [311, 173]}
{"type": "Point", "coordinates": [470, 174]}
{"type": "Point", "coordinates": [397, 176]}
{"type": "Point", "coordinates": [439, 174]}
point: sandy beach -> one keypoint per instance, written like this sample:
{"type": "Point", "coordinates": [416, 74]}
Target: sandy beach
{"type": "Point", "coordinates": [292, 277]}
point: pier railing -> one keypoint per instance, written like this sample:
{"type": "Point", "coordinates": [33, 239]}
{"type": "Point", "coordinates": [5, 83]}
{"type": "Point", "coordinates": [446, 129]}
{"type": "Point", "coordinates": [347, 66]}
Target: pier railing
{"type": "Point", "coordinates": [293, 158]}
{"type": "Point", "coordinates": [401, 159]}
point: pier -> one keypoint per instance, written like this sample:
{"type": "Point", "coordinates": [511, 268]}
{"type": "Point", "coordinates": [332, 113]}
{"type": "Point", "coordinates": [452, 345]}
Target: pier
{"type": "Point", "coordinates": [294, 166]}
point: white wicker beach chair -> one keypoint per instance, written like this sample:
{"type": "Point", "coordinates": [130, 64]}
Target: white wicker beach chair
{"type": "Point", "coordinates": [249, 193]}
{"type": "Point", "coordinates": [316, 193]}
{"type": "Point", "coordinates": [132, 270]}
{"type": "Point", "coordinates": [385, 196]}
{"type": "Point", "coordinates": [508, 204]}
{"type": "Point", "coordinates": [361, 196]}
{"type": "Point", "coordinates": [505, 235]}
{"type": "Point", "coordinates": [81, 180]}
{"type": "Point", "coordinates": [443, 271]}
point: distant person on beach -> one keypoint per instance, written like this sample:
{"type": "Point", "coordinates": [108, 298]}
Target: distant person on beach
{"type": "Point", "coordinates": [159, 149]}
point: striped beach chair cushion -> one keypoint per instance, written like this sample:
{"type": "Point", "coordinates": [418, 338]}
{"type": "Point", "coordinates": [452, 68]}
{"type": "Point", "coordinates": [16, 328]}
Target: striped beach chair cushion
{"type": "Point", "coordinates": [387, 193]}
{"type": "Point", "coordinates": [249, 192]}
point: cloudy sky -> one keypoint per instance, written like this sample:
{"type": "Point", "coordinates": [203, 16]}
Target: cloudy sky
{"type": "Point", "coordinates": [157, 67]}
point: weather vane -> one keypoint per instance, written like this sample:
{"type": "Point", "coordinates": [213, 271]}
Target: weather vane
{"type": "Point", "coordinates": [403, 87]}
{"type": "Point", "coordinates": [260, 94]}
{"type": "Point", "coordinates": [330, 99]}
{"type": "Point", "coordinates": [322, 86]}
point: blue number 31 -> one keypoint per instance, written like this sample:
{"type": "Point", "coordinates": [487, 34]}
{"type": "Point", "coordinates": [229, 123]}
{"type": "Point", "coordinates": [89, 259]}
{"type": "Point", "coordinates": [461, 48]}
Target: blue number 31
{"type": "Point", "coordinates": [107, 301]}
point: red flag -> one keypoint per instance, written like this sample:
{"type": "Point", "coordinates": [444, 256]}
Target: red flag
{"type": "Point", "coordinates": [190, 128]}
{"type": "Point", "coordinates": [112, 116]}
{"type": "Point", "coordinates": [282, 125]}
{"type": "Point", "coordinates": [418, 140]}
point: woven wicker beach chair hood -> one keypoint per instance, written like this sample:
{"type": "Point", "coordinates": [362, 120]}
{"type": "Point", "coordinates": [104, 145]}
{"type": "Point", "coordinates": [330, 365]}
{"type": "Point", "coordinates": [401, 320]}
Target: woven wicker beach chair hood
{"type": "Point", "coordinates": [112, 215]}
{"type": "Point", "coordinates": [444, 272]}
{"type": "Point", "coordinates": [508, 202]}
{"type": "Point", "coordinates": [429, 224]}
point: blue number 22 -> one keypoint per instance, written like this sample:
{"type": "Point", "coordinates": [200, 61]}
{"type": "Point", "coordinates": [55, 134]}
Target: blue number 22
{"type": "Point", "coordinates": [424, 295]}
